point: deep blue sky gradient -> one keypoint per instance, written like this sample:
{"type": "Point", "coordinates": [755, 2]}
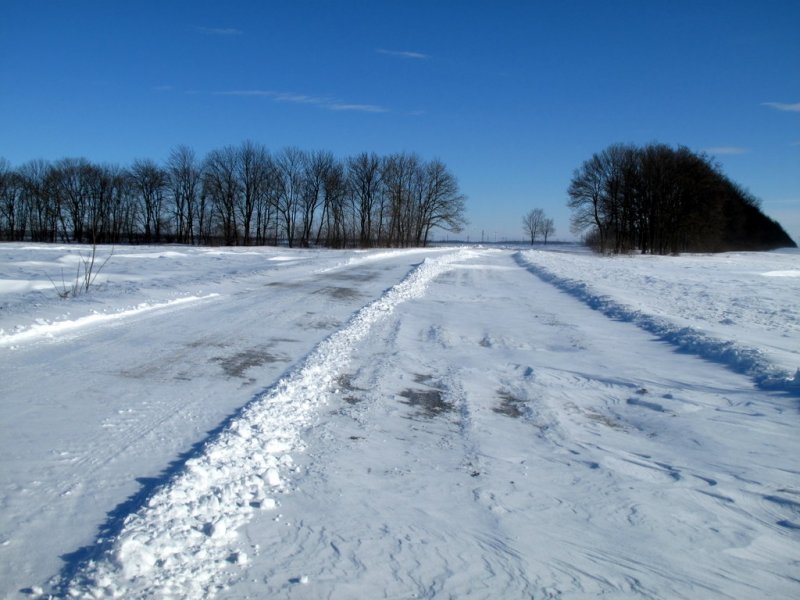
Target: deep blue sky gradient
{"type": "Point", "coordinates": [512, 96]}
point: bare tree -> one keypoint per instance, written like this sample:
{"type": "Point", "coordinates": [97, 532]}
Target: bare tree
{"type": "Point", "coordinates": [532, 223]}
{"type": "Point", "coordinates": [184, 183]}
{"type": "Point", "coordinates": [221, 187]}
{"type": "Point", "coordinates": [70, 180]}
{"type": "Point", "coordinates": [149, 182]}
{"type": "Point", "coordinates": [441, 203]}
{"type": "Point", "coordinates": [267, 203]}
{"type": "Point", "coordinates": [398, 176]}
{"type": "Point", "coordinates": [315, 171]}
{"type": "Point", "coordinates": [41, 206]}
{"type": "Point", "coordinates": [13, 214]}
{"type": "Point", "coordinates": [335, 212]}
{"type": "Point", "coordinates": [290, 163]}
{"type": "Point", "coordinates": [586, 199]}
{"type": "Point", "coordinates": [101, 185]}
{"type": "Point", "coordinates": [120, 204]}
{"type": "Point", "coordinates": [253, 170]}
{"type": "Point", "coordinates": [548, 228]}
{"type": "Point", "coordinates": [364, 183]}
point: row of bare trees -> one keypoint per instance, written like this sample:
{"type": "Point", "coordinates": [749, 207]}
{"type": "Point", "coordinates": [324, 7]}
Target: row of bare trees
{"type": "Point", "coordinates": [236, 195]}
{"type": "Point", "coordinates": [661, 200]}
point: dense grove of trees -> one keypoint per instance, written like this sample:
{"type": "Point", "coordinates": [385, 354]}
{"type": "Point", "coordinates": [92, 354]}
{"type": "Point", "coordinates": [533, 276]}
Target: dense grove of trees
{"type": "Point", "coordinates": [238, 195]}
{"type": "Point", "coordinates": [661, 200]}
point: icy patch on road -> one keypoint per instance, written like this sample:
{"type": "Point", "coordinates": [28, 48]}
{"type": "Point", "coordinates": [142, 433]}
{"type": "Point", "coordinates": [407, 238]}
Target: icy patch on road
{"type": "Point", "coordinates": [741, 359]}
{"type": "Point", "coordinates": [53, 329]}
{"type": "Point", "coordinates": [185, 538]}
{"type": "Point", "coordinates": [781, 274]}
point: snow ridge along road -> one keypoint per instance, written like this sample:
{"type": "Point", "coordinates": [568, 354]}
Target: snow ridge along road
{"type": "Point", "coordinates": [54, 329]}
{"type": "Point", "coordinates": [181, 542]}
{"type": "Point", "coordinates": [738, 357]}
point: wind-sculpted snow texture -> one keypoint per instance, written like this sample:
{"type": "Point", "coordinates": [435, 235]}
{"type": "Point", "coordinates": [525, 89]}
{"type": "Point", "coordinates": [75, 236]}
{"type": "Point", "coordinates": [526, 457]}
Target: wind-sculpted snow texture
{"type": "Point", "coordinates": [180, 542]}
{"type": "Point", "coordinates": [439, 423]}
{"type": "Point", "coordinates": [732, 320]}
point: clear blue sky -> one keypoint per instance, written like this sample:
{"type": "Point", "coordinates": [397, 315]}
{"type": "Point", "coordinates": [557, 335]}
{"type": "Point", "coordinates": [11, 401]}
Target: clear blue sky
{"type": "Point", "coordinates": [512, 96]}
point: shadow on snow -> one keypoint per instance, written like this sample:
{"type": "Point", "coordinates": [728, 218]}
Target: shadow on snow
{"type": "Point", "coordinates": [75, 562]}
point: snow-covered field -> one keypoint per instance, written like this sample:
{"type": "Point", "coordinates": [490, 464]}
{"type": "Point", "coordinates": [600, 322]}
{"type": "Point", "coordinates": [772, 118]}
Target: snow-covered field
{"type": "Point", "coordinates": [449, 422]}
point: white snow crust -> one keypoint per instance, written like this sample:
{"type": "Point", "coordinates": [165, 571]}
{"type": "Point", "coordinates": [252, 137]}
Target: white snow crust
{"type": "Point", "coordinates": [723, 307]}
{"type": "Point", "coordinates": [436, 423]}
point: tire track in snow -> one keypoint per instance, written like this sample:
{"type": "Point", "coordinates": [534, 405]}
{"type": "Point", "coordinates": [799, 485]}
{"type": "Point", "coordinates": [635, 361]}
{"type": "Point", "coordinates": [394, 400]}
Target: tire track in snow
{"type": "Point", "coordinates": [185, 537]}
{"type": "Point", "coordinates": [741, 359]}
{"type": "Point", "coordinates": [386, 535]}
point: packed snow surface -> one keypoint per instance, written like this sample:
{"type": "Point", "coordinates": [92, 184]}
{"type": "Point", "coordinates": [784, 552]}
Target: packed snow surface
{"type": "Point", "coordinates": [448, 422]}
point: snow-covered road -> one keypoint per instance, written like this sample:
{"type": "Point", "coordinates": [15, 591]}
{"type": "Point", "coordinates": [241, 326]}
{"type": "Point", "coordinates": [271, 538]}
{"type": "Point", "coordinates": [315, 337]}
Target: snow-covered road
{"type": "Point", "coordinates": [498, 439]}
{"type": "Point", "coordinates": [472, 431]}
{"type": "Point", "coordinates": [100, 411]}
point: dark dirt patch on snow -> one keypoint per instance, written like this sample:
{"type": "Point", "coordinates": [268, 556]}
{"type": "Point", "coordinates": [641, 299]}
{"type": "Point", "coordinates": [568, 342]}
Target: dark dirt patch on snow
{"type": "Point", "coordinates": [339, 293]}
{"type": "Point", "coordinates": [510, 405]}
{"type": "Point", "coordinates": [429, 403]}
{"type": "Point", "coordinates": [204, 343]}
{"type": "Point", "coordinates": [317, 323]}
{"type": "Point", "coordinates": [345, 383]}
{"type": "Point", "coordinates": [423, 379]}
{"type": "Point", "coordinates": [355, 276]}
{"type": "Point", "coordinates": [236, 364]}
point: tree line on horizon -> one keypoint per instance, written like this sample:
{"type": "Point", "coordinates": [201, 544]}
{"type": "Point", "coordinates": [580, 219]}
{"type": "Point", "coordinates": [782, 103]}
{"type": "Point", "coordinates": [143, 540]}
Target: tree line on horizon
{"type": "Point", "coordinates": [660, 200]}
{"type": "Point", "coordinates": [235, 195]}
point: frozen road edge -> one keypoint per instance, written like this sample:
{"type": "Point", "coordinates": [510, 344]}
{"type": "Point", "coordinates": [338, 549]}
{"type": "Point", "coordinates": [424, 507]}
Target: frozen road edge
{"type": "Point", "coordinates": [741, 359]}
{"type": "Point", "coordinates": [183, 541]}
